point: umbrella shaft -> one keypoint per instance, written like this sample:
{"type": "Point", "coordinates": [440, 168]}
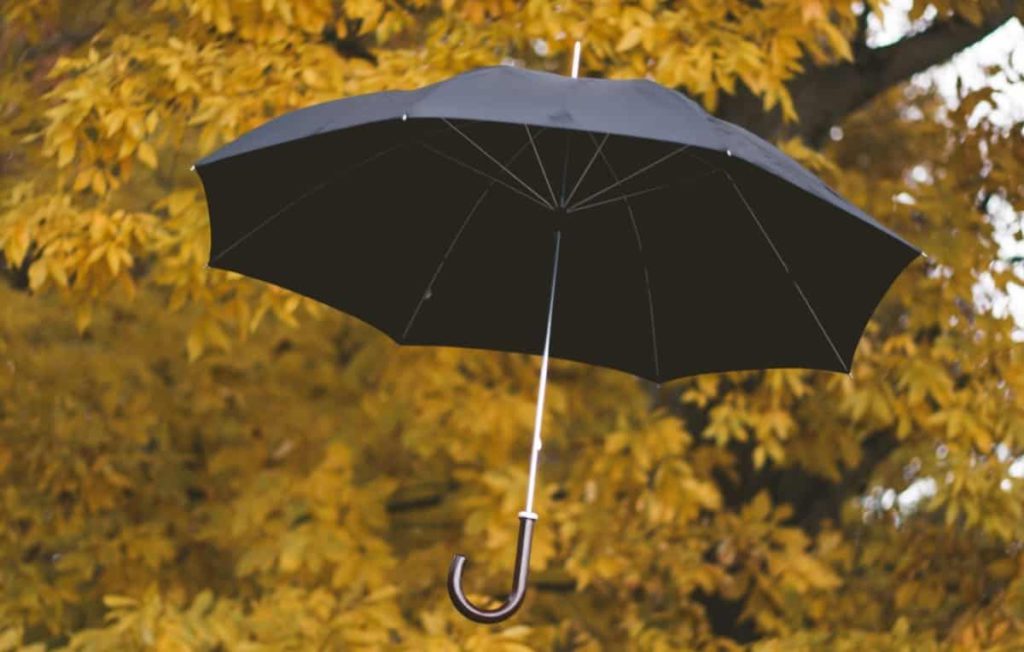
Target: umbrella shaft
{"type": "Point", "coordinates": [535, 451]}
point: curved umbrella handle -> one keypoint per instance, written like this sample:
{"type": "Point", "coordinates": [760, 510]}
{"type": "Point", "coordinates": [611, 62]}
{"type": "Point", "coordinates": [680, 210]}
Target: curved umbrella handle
{"type": "Point", "coordinates": [515, 599]}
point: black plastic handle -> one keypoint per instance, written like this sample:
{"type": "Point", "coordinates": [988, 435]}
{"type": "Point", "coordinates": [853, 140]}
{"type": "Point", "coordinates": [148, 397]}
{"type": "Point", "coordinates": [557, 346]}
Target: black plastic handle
{"type": "Point", "coordinates": [515, 599]}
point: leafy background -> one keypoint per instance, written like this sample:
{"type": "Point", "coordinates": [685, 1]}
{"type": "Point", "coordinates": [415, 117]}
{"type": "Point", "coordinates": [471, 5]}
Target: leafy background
{"type": "Point", "coordinates": [190, 460]}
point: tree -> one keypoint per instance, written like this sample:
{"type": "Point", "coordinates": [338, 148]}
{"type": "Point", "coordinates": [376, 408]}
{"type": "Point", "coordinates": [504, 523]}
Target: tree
{"type": "Point", "coordinates": [193, 460]}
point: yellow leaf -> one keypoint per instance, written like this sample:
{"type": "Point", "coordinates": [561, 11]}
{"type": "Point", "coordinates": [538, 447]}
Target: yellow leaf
{"type": "Point", "coordinates": [311, 78]}
{"type": "Point", "coordinates": [126, 148]}
{"type": "Point", "coordinates": [17, 245]}
{"type": "Point", "coordinates": [706, 493]}
{"type": "Point", "coordinates": [194, 345]}
{"type": "Point", "coordinates": [10, 639]}
{"type": "Point", "coordinates": [629, 39]}
{"type": "Point", "coordinates": [83, 317]}
{"type": "Point", "coordinates": [65, 153]}
{"type": "Point", "coordinates": [114, 259]}
{"type": "Point", "coordinates": [811, 11]}
{"type": "Point", "coordinates": [759, 457]}
{"type": "Point", "coordinates": [99, 182]}
{"type": "Point", "coordinates": [37, 274]}
{"type": "Point", "coordinates": [83, 179]}
{"type": "Point", "coordinates": [147, 154]}
{"type": "Point", "coordinates": [223, 18]}
{"type": "Point", "coordinates": [113, 121]}
{"type": "Point", "coordinates": [57, 273]}
{"type": "Point", "coordinates": [838, 42]}
{"type": "Point", "coordinates": [119, 601]}
{"type": "Point", "coordinates": [96, 254]}
{"type": "Point", "coordinates": [136, 126]}
{"type": "Point", "coordinates": [291, 554]}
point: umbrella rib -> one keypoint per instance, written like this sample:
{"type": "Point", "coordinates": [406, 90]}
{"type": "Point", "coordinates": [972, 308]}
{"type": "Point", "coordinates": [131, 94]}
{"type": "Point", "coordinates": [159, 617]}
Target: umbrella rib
{"type": "Point", "coordinates": [647, 284]}
{"type": "Point", "coordinates": [643, 259]}
{"type": "Point", "coordinates": [789, 273]}
{"type": "Point", "coordinates": [440, 264]}
{"type": "Point", "coordinates": [626, 197]}
{"type": "Point", "coordinates": [578, 207]}
{"type": "Point", "coordinates": [565, 169]}
{"type": "Point", "coordinates": [540, 163]}
{"type": "Point", "coordinates": [312, 191]}
{"type": "Point", "coordinates": [498, 163]}
{"type": "Point", "coordinates": [458, 234]}
{"type": "Point", "coordinates": [583, 174]}
{"type": "Point", "coordinates": [631, 175]}
{"type": "Point", "coordinates": [429, 148]}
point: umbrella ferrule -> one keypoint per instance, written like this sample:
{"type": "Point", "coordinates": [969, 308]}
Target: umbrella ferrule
{"type": "Point", "coordinates": [530, 515]}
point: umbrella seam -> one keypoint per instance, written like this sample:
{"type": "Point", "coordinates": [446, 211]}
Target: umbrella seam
{"type": "Point", "coordinates": [789, 273]}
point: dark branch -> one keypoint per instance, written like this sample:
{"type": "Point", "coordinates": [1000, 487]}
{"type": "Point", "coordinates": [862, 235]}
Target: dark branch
{"type": "Point", "coordinates": [860, 39]}
{"type": "Point", "coordinates": [350, 47]}
{"type": "Point", "coordinates": [824, 96]}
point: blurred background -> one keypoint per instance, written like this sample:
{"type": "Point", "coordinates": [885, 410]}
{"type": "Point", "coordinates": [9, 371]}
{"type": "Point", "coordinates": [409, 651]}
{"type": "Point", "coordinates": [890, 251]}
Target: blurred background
{"type": "Point", "coordinates": [191, 460]}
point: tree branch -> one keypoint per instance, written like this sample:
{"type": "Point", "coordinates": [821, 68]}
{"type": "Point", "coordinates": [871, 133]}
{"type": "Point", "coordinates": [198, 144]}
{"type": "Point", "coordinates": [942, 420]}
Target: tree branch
{"type": "Point", "coordinates": [350, 47]}
{"type": "Point", "coordinates": [824, 96]}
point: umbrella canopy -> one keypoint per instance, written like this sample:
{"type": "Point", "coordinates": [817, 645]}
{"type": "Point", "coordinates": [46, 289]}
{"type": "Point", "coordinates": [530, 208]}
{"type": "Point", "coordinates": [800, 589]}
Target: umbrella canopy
{"type": "Point", "coordinates": [649, 236]}
{"type": "Point", "coordinates": [689, 244]}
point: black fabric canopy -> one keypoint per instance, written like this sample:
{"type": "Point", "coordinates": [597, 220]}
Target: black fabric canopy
{"type": "Point", "coordinates": [687, 244]}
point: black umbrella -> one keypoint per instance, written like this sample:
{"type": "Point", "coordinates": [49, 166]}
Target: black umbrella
{"type": "Point", "coordinates": [678, 244]}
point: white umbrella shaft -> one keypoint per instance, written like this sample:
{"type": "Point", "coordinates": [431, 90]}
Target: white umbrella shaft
{"type": "Point", "coordinates": [538, 421]}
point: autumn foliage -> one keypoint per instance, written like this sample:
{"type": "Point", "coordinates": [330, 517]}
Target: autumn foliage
{"type": "Point", "coordinates": [191, 460]}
